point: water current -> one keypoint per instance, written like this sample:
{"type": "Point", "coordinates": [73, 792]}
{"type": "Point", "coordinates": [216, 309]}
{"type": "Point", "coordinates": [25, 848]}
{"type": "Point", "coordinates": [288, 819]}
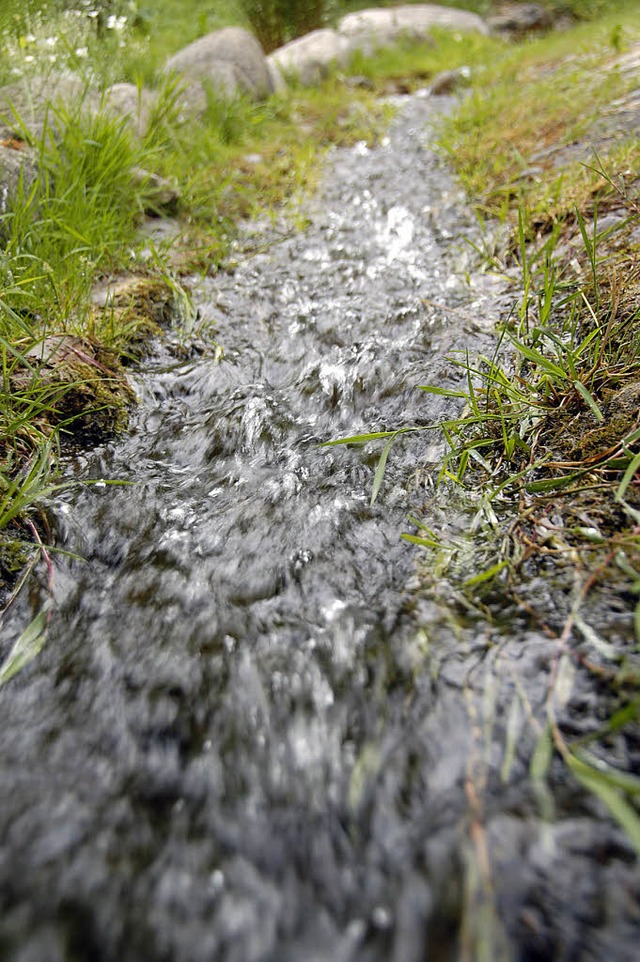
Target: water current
{"type": "Point", "coordinates": [252, 736]}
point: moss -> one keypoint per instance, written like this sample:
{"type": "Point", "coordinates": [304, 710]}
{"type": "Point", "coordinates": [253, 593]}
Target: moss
{"type": "Point", "coordinates": [132, 312]}
{"type": "Point", "coordinates": [14, 555]}
{"type": "Point", "coordinates": [81, 385]}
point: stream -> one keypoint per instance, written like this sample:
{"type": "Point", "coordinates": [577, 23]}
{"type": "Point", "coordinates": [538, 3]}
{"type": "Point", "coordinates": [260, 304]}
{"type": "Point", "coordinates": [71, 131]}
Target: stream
{"type": "Point", "coordinates": [253, 735]}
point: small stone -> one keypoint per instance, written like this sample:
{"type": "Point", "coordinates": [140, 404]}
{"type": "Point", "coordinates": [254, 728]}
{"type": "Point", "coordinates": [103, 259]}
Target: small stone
{"type": "Point", "coordinates": [518, 19]}
{"type": "Point", "coordinates": [448, 81]}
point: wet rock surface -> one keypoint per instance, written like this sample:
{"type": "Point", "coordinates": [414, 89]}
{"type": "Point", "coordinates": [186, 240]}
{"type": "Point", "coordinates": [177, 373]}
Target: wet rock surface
{"type": "Point", "coordinates": [253, 736]}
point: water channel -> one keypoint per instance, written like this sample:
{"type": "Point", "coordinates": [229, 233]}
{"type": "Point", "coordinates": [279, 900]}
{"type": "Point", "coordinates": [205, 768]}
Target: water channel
{"type": "Point", "coordinates": [252, 736]}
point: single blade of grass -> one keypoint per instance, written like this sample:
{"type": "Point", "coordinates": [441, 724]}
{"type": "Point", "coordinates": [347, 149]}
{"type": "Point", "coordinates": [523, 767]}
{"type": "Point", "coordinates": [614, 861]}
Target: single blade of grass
{"type": "Point", "coordinates": [628, 477]}
{"type": "Point", "coordinates": [363, 438]}
{"type": "Point", "coordinates": [608, 790]}
{"type": "Point", "coordinates": [28, 645]}
{"type": "Point", "coordinates": [589, 398]}
{"type": "Point", "coordinates": [551, 484]}
{"type": "Point", "coordinates": [380, 469]}
{"type": "Point", "coordinates": [549, 367]}
{"type": "Point", "coordinates": [542, 755]}
{"type": "Point", "coordinates": [442, 391]}
{"type": "Point", "coordinates": [625, 781]}
{"type": "Point", "coordinates": [487, 575]}
{"type": "Point", "coordinates": [423, 542]}
{"type": "Point", "coordinates": [515, 721]}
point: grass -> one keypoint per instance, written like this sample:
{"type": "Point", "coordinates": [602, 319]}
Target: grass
{"type": "Point", "coordinates": [551, 413]}
{"type": "Point", "coordinates": [505, 152]}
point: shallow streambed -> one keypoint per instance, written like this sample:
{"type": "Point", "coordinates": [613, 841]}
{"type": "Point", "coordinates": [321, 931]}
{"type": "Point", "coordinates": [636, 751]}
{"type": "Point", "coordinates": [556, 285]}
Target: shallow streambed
{"type": "Point", "coordinates": [252, 735]}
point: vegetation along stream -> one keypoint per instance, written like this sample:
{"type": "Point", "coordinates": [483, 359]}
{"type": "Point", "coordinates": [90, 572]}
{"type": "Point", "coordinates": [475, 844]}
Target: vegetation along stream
{"type": "Point", "coordinates": [252, 735]}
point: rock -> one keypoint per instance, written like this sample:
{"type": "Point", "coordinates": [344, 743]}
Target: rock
{"type": "Point", "coordinates": [131, 102]}
{"type": "Point", "coordinates": [369, 29]}
{"type": "Point", "coordinates": [310, 57]}
{"type": "Point", "coordinates": [17, 163]}
{"type": "Point", "coordinates": [160, 195]}
{"type": "Point", "coordinates": [448, 81]}
{"type": "Point", "coordinates": [518, 19]}
{"type": "Point", "coordinates": [278, 82]}
{"type": "Point", "coordinates": [230, 61]}
{"type": "Point", "coordinates": [28, 105]}
{"type": "Point", "coordinates": [222, 83]}
{"type": "Point", "coordinates": [146, 306]}
{"type": "Point", "coordinates": [31, 105]}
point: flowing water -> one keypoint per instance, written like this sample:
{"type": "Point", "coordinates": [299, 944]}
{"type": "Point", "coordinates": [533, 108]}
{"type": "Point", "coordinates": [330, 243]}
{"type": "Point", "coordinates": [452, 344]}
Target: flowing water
{"type": "Point", "coordinates": [252, 736]}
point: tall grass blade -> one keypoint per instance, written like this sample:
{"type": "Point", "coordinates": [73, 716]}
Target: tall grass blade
{"type": "Point", "coordinates": [542, 755]}
{"type": "Point", "coordinates": [487, 575]}
{"type": "Point", "coordinates": [28, 645]}
{"type": "Point", "coordinates": [382, 464]}
{"type": "Point", "coordinates": [628, 477]}
{"type": "Point", "coordinates": [608, 790]}
{"type": "Point", "coordinates": [442, 391]}
{"type": "Point", "coordinates": [538, 358]}
{"type": "Point", "coordinates": [360, 438]}
{"type": "Point", "coordinates": [589, 398]}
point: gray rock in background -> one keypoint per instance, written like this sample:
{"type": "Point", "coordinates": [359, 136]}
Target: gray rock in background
{"type": "Point", "coordinates": [519, 19]}
{"type": "Point", "coordinates": [132, 103]}
{"type": "Point", "coordinates": [27, 104]}
{"type": "Point", "coordinates": [369, 29]}
{"type": "Point", "coordinates": [17, 163]}
{"type": "Point", "coordinates": [230, 61]}
{"type": "Point", "coordinates": [309, 57]}
{"type": "Point", "coordinates": [30, 105]}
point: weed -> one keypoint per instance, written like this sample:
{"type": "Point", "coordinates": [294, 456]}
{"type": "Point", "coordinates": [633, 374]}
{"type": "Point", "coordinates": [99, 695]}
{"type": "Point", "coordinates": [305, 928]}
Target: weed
{"type": "Point", "coordinates": [277, 21]}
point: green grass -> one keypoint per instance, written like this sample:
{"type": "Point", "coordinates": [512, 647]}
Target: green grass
{"type": "Point", "coordinates": [532, 102]}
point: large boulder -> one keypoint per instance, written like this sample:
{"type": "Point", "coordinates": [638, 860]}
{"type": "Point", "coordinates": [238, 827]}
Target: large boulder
{"type": "Point", "coordinates": [27, 104]}
{"type": "Point", "coordinates": [309, 57]}
{"type": "Point", "coordinates": [229, 61]}
{"type": "Point", "coordinates": [278, 82]}
{"type": "Point", "coordinates": [369, 29]}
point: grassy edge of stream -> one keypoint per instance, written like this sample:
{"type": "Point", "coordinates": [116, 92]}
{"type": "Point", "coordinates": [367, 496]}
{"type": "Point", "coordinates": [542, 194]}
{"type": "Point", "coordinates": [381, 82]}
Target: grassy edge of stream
{"type": "Point", "coordinates": [542, 447]}
{"type": "Point", "coordinates": [545, 453]}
